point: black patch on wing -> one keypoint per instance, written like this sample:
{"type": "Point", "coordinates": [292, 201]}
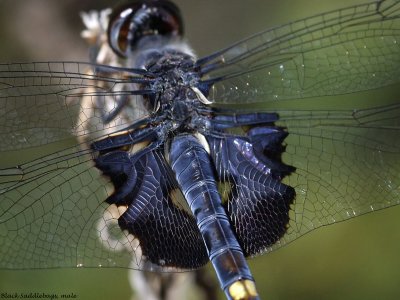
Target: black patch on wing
{"type": "Point", "coordinates": [259, 203]}
{"type": "Point", "coordinates": [143, 181]}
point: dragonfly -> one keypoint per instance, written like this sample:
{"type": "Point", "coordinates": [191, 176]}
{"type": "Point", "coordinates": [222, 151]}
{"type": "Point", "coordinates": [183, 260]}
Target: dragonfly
{"type": "Point", "coordinates": [325, 55]}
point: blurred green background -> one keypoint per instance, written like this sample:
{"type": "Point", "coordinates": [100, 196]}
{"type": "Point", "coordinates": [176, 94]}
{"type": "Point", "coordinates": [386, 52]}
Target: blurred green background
{"type": "Point", "coordinates": [357, 259]}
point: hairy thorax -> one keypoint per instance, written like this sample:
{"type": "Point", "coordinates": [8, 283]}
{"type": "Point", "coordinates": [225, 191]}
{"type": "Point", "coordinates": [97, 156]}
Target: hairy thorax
{"type": "Point", "coordinates": [177, 96]}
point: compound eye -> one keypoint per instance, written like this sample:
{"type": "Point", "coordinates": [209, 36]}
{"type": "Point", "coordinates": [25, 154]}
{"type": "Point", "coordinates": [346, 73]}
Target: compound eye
{"type": "Point", "coordinates": [137, 19]}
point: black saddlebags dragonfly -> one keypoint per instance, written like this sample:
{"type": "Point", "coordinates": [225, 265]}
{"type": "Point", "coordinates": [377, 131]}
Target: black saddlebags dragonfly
{"type": "Point", "coordinates": [204, 158]}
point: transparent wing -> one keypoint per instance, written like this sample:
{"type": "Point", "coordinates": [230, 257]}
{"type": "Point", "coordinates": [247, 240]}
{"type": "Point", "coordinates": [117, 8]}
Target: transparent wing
{"type": "Point", "coordinates": [51, 210]}
{"type": "Point", "coordinates": [343, 51]}
{"type": "Point", "coordinates": [347, 164]}
{"type": "Point", "coordinates": [44, 103]}
{"type": "Point", "coordinates": [54, 213]}
{"type": "Point", "coordinates": [52, 200]}
{"type": "Point", "coordinates": [345, 152]}
{"type": "Point", "coordinates": [346, 149]}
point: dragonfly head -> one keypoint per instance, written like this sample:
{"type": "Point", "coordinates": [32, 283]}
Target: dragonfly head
{"type": "Point", "coordinates": [135, 21]}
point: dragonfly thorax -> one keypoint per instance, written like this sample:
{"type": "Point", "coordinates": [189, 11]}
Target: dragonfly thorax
{"type": "Point", "coordinates": [175, 84]}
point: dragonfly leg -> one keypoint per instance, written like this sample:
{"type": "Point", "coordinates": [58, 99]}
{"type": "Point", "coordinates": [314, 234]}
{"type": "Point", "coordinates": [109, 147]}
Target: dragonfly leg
{"type": "Point", "coordinates": [226, 120]}
{"type": "Point", "coordinates": [121, 102]}
{"type": "Point", "coordinates": [126, 139]}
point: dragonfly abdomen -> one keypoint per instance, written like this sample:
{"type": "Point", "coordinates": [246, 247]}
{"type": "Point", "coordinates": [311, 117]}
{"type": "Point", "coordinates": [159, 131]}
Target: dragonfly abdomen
{"type": "Point", "coordinates": [195, 176]}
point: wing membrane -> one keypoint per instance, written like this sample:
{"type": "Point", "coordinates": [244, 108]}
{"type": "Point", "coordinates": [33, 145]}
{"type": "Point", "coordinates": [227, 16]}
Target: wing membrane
{"type": "Point", "coordinates": [347, 164]}
{"type": "Point", "coordinates": [54, 213]}
{"type": "Point", "coordinates": [43, 103]}
{"type": "Point", "coordinates": [344, 51]}
{"type": "Point", "coordinates": [146, 186]}
{"type": "Point", "coordinates": [51, 211]}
